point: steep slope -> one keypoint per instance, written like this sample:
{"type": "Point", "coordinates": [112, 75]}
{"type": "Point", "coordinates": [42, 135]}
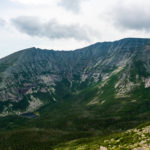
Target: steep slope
{"type": "Point", "coordinates": [32, 78]}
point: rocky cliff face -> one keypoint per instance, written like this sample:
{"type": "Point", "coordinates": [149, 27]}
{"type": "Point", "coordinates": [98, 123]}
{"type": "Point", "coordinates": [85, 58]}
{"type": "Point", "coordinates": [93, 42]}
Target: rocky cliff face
{"type": "Point", "coordinates": [33, 77]}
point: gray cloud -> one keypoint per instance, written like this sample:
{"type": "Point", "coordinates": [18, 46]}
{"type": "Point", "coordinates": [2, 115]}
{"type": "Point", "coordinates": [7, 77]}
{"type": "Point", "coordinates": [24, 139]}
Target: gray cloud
{"type": "Point", "coordinates": [132, 17]}
{"type": "Point", "coordinates": [51, 29]}
{"type": "Point", "coordinates": [73, 5]}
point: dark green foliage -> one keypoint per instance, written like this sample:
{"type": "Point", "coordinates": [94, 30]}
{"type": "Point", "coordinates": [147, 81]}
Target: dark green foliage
{"type": "Point", "coordinates": [3, 67]}
{"type": "Point", "coordinates": [45, 97]}
{"type": "Point", "coordinates": [108, 69]}
{"type": "Point", "coordinates": [138, 68]}
{"type": "Point", "coordinates": [62, 89]}
{"type": "Point", "coordinates": [2, 105]}
{"type": "Point", "coordinates": [1, 79]}
{"type": "Point", "coordinates": [22, 104]}
{"type": "Point", "coordinates": [76, 77]}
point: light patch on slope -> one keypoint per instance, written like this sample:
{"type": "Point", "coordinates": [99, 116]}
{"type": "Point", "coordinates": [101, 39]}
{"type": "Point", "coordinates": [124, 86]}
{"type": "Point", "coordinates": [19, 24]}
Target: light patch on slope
{"type": "Point", "coordinates": [124, 85]}
{"type": "Point", "coordinates": [123, 89]}
{"type": "Point", "coordinates": [93, 102]}
{"type": "Point", "coordinates": [117, 70]}
{"type": "Point", "coordinates": [98, 63]}
{"type": "Point", "coordinates": [107, 76]}
{"type": "Point", "coordinates": [96, 101]}
{"type": "Point", "coordinates": [34, 104]}
{"type": "Point", "coordinates": [84, 77]}
{"type": "Point", "coordinates": [49, 79]}
{"type": "Point", "coordinates": [96, 77]}
{"type": "Point", "coordinates": [147, 82]}
{"type": "Point", "coordinates": [46, 79]}
{"type": "Point", "coordinates": [30, 91]}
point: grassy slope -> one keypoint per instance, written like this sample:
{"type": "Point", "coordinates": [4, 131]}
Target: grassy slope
{"type": "Point", "coordinates": [119, 141]}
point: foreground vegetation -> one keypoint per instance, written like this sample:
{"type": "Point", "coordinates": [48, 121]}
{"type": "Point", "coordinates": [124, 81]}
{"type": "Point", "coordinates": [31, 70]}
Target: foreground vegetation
{"type": "Point", "coordinates": [131, 139]}
{"type": "Point", "coordinates": [42, 139]}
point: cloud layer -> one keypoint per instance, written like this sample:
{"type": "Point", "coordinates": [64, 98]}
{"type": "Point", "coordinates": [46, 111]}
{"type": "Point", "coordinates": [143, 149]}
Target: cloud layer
{"type": "Point", "coordinates": [132, 15]}
{"type": "Point", "coordinates": [51, 29]}
{"type": "Point", "coordinates": [2, 22]}
{"type": "Point", "coordinates": [73, 5]}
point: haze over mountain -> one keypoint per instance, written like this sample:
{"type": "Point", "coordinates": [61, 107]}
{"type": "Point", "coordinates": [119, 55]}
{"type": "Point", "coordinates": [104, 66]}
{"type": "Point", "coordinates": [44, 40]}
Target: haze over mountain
{"type": "Point", "coordinates": [102, 88]}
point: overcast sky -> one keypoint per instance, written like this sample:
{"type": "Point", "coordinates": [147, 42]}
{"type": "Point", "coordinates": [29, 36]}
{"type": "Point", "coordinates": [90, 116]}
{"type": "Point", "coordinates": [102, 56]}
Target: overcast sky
{"type": "Point", "coordinates": [70, 24]}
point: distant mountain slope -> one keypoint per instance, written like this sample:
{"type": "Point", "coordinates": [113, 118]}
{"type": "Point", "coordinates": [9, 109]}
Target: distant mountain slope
{"type": "Point", "coordinates": [31, 78]}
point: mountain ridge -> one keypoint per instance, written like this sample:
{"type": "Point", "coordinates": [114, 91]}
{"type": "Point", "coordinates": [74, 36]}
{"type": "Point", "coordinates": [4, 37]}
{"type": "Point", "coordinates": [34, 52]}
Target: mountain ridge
{"type": "Point", "coordinates": [47, 67]}
{"type": "Point", "coordinates": [130, 38]}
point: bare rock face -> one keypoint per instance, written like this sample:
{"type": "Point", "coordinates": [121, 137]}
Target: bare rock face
{"type": "Point", "coordinates": [103, 148]}
{"type": "Point", "coordinates": [147, 82]}
{"type": "Point", "coordinates": [145, 147]}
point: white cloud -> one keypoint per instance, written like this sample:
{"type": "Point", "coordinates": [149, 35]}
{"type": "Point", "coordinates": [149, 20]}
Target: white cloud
{"type": "Point", "coordinates": [134, 15]}
{"type": "Point", "coordinates": [73, 5]}
{"type": "Point", "coordinates": [2, 22]}
{"type": "Point", "coordinates": [110, 19]}
{"type": "Point", "coordinates": [36, 2]}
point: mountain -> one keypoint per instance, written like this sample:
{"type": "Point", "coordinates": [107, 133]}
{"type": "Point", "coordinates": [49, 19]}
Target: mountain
{"type": "Point", "coordinates": [64, 95]}
{"type": "Point", "coordinates": [29, 75]}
